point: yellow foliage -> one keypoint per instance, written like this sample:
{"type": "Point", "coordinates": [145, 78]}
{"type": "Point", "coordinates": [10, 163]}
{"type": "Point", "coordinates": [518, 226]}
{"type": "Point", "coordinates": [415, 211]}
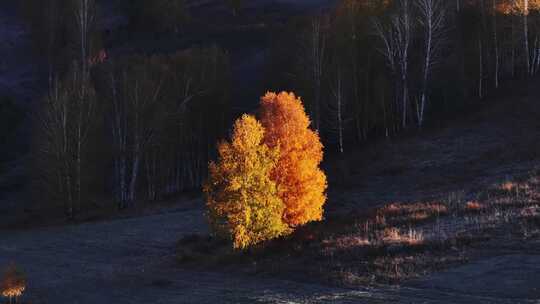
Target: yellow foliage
{"type": "Point", "coordinates": [242, 200]}
{"type": "Point", "coordinates": [301, 183]}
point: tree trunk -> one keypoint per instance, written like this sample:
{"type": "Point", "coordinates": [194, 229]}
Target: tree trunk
{"type": "Point", "coordinates": [495, 44]}
{"type": "Point", "coordinates": [404, 93]}
{"type": "Point", "coordinates": [339, 115]}
{"type": "Point", "coordinates": [480, 69]}
{"type": "Point", "coordinates": [133, 179]}
{"type": "Point", "coordinates": [526, 35]}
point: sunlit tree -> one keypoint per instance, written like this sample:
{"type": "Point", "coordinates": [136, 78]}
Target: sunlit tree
{"type": "Point", "coordinates": [301, 183]}
{"type": "Point", "coordinates": [13, 283]}
{"type": "Point", "coordinates": [242, 200]}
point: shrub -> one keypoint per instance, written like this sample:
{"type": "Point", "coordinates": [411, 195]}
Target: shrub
{"type": "Point", "coordinates": [242, 200]}
{"type": "Point", "coordinates": [301, 183]}
{"type": "Point", "coordinates": [13, 283]}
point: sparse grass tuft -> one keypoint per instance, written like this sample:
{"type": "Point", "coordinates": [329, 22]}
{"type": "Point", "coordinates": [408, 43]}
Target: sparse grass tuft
{"type": "Point", "coordinates": [474, 206]}
{"type": "Point", "coordinates": [411, 214]}
{"type": "Point", "coordinates": [393, 236]}
{"type": "Point", "coordinates": [509, 186]}
{"type": "Point", "coordinates": [530, 211]}
{"type": "Point", "coordinates": [425, 208]}
{"type": "Point", "coordinates": [348, 242]}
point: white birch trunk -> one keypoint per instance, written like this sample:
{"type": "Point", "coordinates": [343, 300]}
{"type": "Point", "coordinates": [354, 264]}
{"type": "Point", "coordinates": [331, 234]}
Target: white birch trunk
{"type": "Point", "coordinates": [526, 35]}
{"type": "Point", "coordinates": [495, 45]}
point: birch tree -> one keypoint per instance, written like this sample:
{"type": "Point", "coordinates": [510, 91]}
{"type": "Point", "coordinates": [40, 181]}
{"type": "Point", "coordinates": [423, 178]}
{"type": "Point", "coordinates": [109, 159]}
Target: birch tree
{"type": "Point", "coordinates": [135, 115]}
{"type": "Point", "coordinates": [496, 52]}
{"type": "Point", "coordinates": [85, 20]}
{"type": "Point", "coordinates": [161, 129]}
{"type": "Point", "coordinates": [67, 117]}
{"type": "Point", "coordinates": [54, 149]}
{"type": "Point", "coordinates": [525, 14]}
{"type": "Point", "coordinates": [523, 9]}
{"type": "Point", "coordinates": [65, 123]}
{"type": "Point", "coordinates": [335, 106]}
{"type": "Point", "coordinates": [396, 38]}
{"type": "Point", "coordinates": [312, 58]}
{"type": "Point", "coordinates": [432, 18]}
{"type": "Point", "coordinates": [402, 25]}
{"type": "Point", "coordinates": [198, 99]}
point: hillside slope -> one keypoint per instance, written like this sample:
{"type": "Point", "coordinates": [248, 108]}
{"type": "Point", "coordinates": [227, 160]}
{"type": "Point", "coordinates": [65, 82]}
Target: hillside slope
{"type": "Point", "coordinates": [497, 140]}
{"type": "Point", "coordinates": [133, 260]}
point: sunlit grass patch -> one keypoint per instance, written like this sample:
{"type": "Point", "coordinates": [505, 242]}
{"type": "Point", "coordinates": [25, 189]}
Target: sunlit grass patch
{"type": "Point", "coordinates": [422, 207]}
{"type": "Point", "coordinates": [398, 241]}
{"type": "Point", "coordinates": [395, 236]}
{"type": "Point", "coordinates": [530, 211]}
{"type": "Point", "coordinates": [474, 206]}
{"type": "Point", "coordinates": [410, 213]}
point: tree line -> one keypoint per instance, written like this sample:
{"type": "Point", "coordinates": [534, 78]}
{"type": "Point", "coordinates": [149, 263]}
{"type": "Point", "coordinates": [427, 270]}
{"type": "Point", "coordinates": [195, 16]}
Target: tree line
{"type": "Point", "coordinates": [142, 127]}
{"type": "Point", "coordinates": [373, 68]}
{"type": "Point", "coordinates": [126, 127]}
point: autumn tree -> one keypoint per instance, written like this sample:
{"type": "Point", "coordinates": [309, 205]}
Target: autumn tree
{"type": "Point", "coordinates": [300, 182]}
{"type": "Point", "coordinates": [13, 283]}
{"type": "Point", "coordinates": [396, 41]}
{"type": "Point", "coordinates": [242, 199]}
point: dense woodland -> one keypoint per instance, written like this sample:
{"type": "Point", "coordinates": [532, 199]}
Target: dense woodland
{"type": "Point", "coordinates": [375, 68]}
{"type": "Point", "coordinates": [132, 127]}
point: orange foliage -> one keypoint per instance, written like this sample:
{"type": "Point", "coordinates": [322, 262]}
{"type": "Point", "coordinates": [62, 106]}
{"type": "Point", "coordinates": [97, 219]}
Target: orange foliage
{"type": "Point", "coordinates": [517, 7]}
{"type": "Point", "coordinates": [513, 186]}
{"type": "Point", "coordinates": [13, 283]}
{"type": "Point", "coordinates": [473, 206]}
{"type": "Point", "coordinates": [301, 183]}
{"type": "Point", "coordinates": [267, 179]}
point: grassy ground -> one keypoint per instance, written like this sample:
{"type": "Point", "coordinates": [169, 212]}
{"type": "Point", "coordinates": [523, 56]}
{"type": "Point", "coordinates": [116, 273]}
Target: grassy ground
{"type": "Point", "coordinates": [405, 208]}
{"type": "Point", "coordinates": [391, 244]}
{"type": "Point", "coordinates": [457, 224]}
